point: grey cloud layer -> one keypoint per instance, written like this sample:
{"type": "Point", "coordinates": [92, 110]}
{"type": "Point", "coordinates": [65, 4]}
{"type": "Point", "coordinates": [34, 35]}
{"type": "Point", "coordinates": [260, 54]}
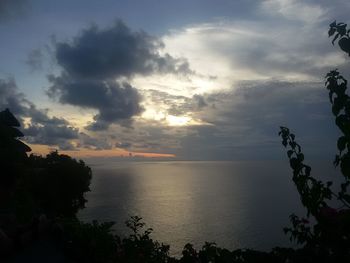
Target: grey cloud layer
{"type": "Point", "coordinates": [246, 121]}
{"type": "Point", "coordinates": [94, 143]}
{"type": "Point", "coordinates": [244, 124]}
{"type": "Point", "coordinates": [175, 104]}
{"type": "Point", "coordinates": [115, 51]}
{"type": "Point", "coordinates": [42, 129]}
{"type": "Point", "coordinates": [95, 59]}
{"type": "Point", "coordinates": [114, 101]}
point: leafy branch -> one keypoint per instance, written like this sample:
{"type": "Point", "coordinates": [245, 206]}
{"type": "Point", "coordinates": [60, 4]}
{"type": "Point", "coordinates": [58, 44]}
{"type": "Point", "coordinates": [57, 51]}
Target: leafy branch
{"type": "Point", "coordinates": [339, 30]}
{"type": "Point", "coordinates": [313, 193]}
{"type": "Point", "coordinates": [331, 230]}
{"type": "Point", "coordinates": [337, 85]}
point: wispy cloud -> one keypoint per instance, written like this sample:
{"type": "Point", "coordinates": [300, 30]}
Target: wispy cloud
{"type": "Point", "coordinates": [239, 50]}
{"type": "Point", "coordinates": [297, 10]}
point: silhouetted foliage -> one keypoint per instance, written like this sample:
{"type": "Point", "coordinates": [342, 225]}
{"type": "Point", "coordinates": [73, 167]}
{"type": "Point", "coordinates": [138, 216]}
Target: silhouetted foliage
{"type": "Point", "coordinates": [139, 246]}
{"type": "Point", "coordinates": [89, 242]}
{"type": "Point", "coordinates": [329, 237]}
{"type": "Point", "coordinates": [96, 242]}
{"type": "Point", "coordinates": [58, 183]}
{"type": "Point", "coordinates": [33, 189]}
{"type": "Point", "coordinates": [340, 32]}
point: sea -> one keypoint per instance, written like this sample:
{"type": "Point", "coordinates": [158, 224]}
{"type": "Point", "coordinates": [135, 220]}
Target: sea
{"type": "Point", "coordinates": [243, 204]}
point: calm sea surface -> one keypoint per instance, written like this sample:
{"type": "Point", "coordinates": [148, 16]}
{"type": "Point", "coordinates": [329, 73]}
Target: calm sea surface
{"type": "Point", "coordinates": [235, 204]}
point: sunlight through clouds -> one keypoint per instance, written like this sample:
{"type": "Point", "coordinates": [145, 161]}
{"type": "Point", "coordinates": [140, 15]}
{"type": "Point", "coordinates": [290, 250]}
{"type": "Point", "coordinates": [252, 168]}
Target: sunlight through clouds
{"type": "Point", "coordinates": [177, 120]}
{"type": "Point", "coordinates": [194, 81]}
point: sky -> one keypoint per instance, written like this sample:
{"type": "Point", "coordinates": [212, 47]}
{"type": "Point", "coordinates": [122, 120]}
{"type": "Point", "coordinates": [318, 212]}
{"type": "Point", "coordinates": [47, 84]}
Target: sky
{"type": "Point", "coordinates": [182, 80]}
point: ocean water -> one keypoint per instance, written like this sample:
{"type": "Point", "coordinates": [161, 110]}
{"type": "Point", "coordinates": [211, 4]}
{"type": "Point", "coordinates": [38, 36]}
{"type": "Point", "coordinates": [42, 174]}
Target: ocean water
{"type": "Point", "coordinates": [235, 204]}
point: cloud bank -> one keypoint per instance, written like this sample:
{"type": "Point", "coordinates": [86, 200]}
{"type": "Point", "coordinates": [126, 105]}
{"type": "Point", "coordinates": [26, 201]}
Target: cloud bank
{"type": "Point", "coordinates": [97, 64]}
{"type": "Point", "coordinates": [213, 89]}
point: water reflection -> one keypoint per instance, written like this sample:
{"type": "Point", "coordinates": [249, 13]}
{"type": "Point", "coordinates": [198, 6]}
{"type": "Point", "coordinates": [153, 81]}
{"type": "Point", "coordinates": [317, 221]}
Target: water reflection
{"type": "Point", "coordinates": [236, 204]}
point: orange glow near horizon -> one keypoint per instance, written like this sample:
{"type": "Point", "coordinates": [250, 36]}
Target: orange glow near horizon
{"type": "Point", "coordinates": [87, 153]}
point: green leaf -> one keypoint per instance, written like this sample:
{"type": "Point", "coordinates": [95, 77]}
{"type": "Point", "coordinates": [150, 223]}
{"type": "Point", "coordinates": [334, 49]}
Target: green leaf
{"type": "Point", "coordinates": [307, 170]}
{"type": "Point", "coordinates": [345, 165]}
{"type": "Point", "coordinates": [293, 145]}
{"type": "Point", "coordinates": [342, 141]}
{"type": "Point", "coordinates": [336, 109]}
{"type": "Point", "coordinates": [294, 163]}
{"type": "Point", "coordinates": [341, 28]}
{"type": "Point", "coordinates": [301, 157]}
{"type": "Point", "coordinates": [336, 160]}
{"type": "Point", "coordinates": [344, 186]}
{"type": "Point", "coordinates": [333, 24]}
{"type": "Point", "coordinates": [335, 38]}
{"type": "Point", "coordinates": [331, 31]}
{"type": "Point", "coordinates": [346, 197]}
{"type": "Point", "coordinates": [289, 153]}
{"type": "Point", "coordinates": [331, 96]}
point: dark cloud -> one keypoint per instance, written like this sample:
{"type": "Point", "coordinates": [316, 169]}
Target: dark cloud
{"type": "Point", "coordinates": [114, 101]}
{"type": "Point", "coordinates": [94, 143]}
{"type": "Point", "coordinates": [51, 134]}
{"type": "Point", "coordinates": [11, 98]}
{"type": "Point", "coordinates": [245, 121]}
{"type": "Point", "coordinates": [12, 9]}
{"type": "Point", "coordinates": [42, 129]}
{"type": "Point", "coordinates": [147, 136]}
{"type": "Point", "coordinates": [96, 58]}
{"type": "Point", "coordinates": [114, 52]}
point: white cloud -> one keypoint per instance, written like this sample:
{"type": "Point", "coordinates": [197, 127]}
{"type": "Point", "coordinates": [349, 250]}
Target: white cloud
{"type": "Point", "coordinates": [246, 50]}
{"type": "Point", "coordinates": [295, 10]}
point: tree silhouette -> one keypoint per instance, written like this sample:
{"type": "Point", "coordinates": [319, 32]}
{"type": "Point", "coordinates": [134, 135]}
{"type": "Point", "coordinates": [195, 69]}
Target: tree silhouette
{"type": "Point", "coordinates": [54, 184]}
{"type": "Point", "coordinates": [59, 183]}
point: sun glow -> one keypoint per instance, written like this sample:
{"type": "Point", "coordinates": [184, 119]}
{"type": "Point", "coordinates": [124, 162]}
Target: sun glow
{"type": "Point", "coordinates": [186, 86]}
{"type": "Point", "coordinates": [170, 120]}
{"type": "Point", "coordinates": [152, 114]}
{"type": "Point", "coordinates": [178, 120]}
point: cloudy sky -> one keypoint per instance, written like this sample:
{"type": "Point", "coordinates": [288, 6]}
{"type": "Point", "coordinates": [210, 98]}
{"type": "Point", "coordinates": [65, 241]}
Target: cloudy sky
{"type": "Point", "coordinates": [186, 79]}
